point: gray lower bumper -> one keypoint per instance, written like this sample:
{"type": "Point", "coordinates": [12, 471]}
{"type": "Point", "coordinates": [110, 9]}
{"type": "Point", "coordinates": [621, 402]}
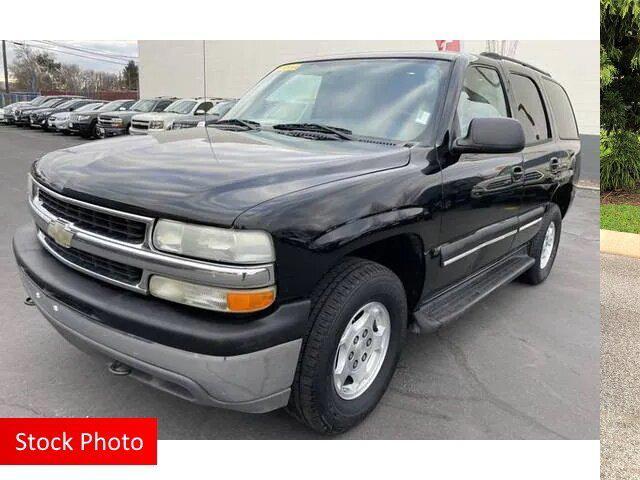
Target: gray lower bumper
{"type": "Point", "coordinates": [255, 382]}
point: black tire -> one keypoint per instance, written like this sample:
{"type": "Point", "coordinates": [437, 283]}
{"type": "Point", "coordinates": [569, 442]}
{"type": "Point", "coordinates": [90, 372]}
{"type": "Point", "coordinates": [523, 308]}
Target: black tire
{"type": "Point", "coordinates": [339, 296]}
{"type": "Point", "coordinates": [94, 131]}
{"type": "Point", "coordinates": [535, 274]}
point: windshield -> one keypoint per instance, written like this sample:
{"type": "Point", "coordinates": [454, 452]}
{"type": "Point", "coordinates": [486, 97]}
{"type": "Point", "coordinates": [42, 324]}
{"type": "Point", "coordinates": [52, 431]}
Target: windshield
{"type": "Point", "coordinates": [221, 108]}
{"type": "Point", "coordinates": [63, 102]}
{"type": "Point", "coordinates": [89, 107]}
{"type": "Point", "coordinates": [38, 100]}
{"type": "Point", "coordinates": [181, 106]}
{"type": "Point", "coordinates": [387, 98]}
{"type": "Point", "coordinates": [143, 105]}
{"type": "Point", "coordinates": [50, 102]}
{"type": "Point", "coordinates": [66, 103]}
{"type": "Point", "coordinates": [116, 105]}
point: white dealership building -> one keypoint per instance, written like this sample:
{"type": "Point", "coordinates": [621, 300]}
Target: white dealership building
{"type": "Point", "coordinates": [228, 68]}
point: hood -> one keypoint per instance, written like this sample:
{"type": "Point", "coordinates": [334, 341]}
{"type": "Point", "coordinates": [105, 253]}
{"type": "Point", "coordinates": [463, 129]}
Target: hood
{"type": "Point", "coordinates": [122, 114]}
{"type": "Point", "coordinates": [149, 117]}
{"type": "Point", "coordinates": [42, 110]}
{"type": "Point", "coordinates": [206, 176]}
{"type": "Point", "coordinates": [192, 118]}
{"type": "Point", "coordinates": [13, 106]}
{"type": "Point", "coordinates": [27, 108]}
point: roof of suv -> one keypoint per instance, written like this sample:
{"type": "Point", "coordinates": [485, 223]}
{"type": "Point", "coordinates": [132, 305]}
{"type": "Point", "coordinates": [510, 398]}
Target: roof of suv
{"type": "Point", "coordinates": [423, 54]}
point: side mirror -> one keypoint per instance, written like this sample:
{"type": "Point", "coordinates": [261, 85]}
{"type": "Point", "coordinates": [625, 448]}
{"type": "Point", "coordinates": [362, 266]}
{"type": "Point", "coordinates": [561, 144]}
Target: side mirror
{"type": "Point", "coordinates": [491, 135]}
{"type": "Point", "coordinates": [200, 112]}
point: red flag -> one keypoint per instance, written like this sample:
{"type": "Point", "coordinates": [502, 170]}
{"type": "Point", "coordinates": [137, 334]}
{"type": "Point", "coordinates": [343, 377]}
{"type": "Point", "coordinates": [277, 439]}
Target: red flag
{"type": "Point", "coordinates": [448, 45]}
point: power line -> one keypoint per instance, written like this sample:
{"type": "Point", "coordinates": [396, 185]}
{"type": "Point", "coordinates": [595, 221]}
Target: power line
{"type": "Point", "coordinates": [89, 50]}
{"type": "Point", "coordinates": [89, 56]}
{"type": "Point", "coordinates": [31, 45]}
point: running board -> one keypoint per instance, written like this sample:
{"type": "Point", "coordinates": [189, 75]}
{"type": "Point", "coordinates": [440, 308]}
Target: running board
{"type": "Point", "coordinates": [453, 303]}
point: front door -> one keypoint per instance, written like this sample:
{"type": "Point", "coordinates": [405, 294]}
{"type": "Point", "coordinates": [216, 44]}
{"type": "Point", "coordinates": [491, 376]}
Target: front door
{"type": "Point", "coordinates": [481, 192]}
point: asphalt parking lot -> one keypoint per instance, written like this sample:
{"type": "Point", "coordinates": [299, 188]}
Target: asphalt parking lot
{"type": "Point", "coordinates": [523, 364]}
{"type": "Point", "coordinates": [620, 397]}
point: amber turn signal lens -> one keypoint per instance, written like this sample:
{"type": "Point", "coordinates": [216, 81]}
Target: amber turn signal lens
{"type": "Point", "coordinates": [250, 301]}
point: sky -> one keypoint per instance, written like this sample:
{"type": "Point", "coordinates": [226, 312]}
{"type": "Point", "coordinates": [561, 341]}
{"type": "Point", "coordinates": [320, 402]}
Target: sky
{"type": "Point", "coordinates": [107, 55]}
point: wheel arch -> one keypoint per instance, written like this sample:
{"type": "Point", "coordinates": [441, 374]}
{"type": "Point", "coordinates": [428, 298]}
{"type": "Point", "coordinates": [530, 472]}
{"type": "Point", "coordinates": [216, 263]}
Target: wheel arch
{"type": "Point", "coordinates": [563, 196]}
{"type": "Point", "coordinates": [403, 255]}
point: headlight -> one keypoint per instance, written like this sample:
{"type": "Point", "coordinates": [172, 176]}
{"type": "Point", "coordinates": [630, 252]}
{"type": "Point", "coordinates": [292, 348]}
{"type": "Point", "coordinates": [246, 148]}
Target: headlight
{"type": "Point", "coordinates": [212, 243]}
{"type": "Point", "coordinates": [82, 117]}
{"type": "Point", "coordinates": [211, 298]}
{"type": "Point", "coordinates": [201, 124]}
{"type": "Point", "coordinates": [116, 120]}
{"type": "Point", "coordinates": [156, 124]}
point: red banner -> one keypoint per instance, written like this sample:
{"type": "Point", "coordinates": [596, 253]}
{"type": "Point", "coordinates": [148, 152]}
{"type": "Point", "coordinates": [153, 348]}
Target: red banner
{"type": "Point", "coordinates": [448, 45]}
{"type": "Point", "coordinates": [78, 441]}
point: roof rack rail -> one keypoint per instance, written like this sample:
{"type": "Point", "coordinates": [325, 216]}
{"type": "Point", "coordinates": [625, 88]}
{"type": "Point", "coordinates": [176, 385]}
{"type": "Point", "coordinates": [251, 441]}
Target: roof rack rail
{"type": "Point", "coordinates": [497, 56]}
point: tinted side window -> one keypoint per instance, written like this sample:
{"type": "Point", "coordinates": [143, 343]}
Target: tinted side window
{"type": "Point", "coordinates": [160, 106]}
{"type": "Point", "coordinates": [530, 109]}
{"type": "Point", "coordinates": [482, 96]}
{"type": "Point", "coordinates": [204, 106]}
{"type": "Point", "coordinates": [562, 111]}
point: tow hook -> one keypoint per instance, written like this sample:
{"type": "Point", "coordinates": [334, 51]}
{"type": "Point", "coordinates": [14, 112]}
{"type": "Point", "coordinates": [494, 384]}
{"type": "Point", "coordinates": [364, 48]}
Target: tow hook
{"type": "Point", "coordinates": [29, 301]}
{"type": "Point", "coordinates": [119, 369]}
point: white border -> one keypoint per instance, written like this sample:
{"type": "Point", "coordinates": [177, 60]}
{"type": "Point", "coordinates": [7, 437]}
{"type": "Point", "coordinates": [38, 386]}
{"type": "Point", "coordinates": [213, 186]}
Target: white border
{"type": "Point", "coordinates": [310, 460]}
{"type": "Point", "coordinates": [295, 19]}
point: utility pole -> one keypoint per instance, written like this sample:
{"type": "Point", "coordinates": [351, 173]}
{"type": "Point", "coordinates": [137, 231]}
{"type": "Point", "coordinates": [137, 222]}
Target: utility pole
{"type": "Point", "coordinates": [4, 62]}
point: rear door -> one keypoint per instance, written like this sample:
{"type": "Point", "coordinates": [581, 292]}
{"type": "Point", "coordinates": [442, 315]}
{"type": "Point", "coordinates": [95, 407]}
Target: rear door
{"type": "Point", "coordinates": [482, 192]}
{"type": "Point", "coordinates": [545, 156]}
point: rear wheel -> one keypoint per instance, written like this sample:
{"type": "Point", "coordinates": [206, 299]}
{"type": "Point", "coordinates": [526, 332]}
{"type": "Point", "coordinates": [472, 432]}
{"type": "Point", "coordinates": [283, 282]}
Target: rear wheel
{"type": "Point", "coordinates": [95, 131]}
{"type": "Point", "coordinates": [544, 246]}
{"type": "Point", "coordinates": [359, 319]}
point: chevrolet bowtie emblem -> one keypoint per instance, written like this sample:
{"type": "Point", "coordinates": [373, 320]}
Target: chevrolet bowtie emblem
{"type": "Point", "coordinates": [59, 232]}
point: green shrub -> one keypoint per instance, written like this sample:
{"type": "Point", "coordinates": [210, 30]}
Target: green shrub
{"type": "Point", "coordinates": [619, 161]}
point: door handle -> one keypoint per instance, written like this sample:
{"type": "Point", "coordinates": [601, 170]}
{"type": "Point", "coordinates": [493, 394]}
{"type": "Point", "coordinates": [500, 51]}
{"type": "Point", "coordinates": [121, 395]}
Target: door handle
{"type": "Point", "coordinates": [517, 172]}
{"type": "Point", "coordinates": [554, 164]}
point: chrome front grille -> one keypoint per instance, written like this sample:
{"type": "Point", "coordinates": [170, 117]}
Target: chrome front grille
{"type": "Point", "coordinates": [115, 246]}
{"type": "Point", "coordinates": [99, 265]}
{"type": "Point", "coordinates": [107, 121]}
{"type": "Point", "coordinates": [108, 225]}
{"type": "Point", "coordinates": [181, 125]}
{"type": "Point", "coordinates": [140, 125]}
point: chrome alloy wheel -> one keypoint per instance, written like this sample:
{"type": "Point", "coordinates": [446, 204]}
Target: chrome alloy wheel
{"type": "Point", "coordinates": [361, 350]}
{"type": "Point", "coordinates": [547, 245]}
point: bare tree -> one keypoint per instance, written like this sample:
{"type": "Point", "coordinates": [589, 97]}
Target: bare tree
{"type": "Point", "coordinates": [37, 71]}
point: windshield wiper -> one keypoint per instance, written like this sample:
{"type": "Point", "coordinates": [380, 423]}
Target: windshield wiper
{"type": "Point", "coordinates": [248, 124]}
{"type": "Point", "coordinates": [342, 133]}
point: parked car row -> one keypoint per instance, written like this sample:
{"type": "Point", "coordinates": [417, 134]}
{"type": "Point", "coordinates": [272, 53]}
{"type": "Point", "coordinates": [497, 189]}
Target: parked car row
{"type": "Point", "coordinates": [92, 118]}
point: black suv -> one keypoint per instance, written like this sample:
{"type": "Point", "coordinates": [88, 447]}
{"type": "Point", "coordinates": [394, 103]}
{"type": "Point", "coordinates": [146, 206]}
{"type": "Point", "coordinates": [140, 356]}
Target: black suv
{"type": "Point", "coordinates": [279, 257]}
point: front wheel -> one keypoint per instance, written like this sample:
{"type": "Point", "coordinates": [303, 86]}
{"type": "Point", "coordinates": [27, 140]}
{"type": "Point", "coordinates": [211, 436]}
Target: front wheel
{"type": "Point", "coordinates": [544, 246]}
{"type": "Point", "coordinates": [359, 320]}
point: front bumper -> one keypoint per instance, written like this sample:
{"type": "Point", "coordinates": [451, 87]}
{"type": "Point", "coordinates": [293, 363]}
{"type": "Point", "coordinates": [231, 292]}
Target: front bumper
{"type": "Point", "coordinates": [79, 127]}
{"type": "Point", "coordinates": [38, 122]}
{"type": "Point", "coordinates": [145, 131]}
{"type": "Point", "coordinates": [112, 131]}
{"type": "Point", "coordinates": [241, 365]}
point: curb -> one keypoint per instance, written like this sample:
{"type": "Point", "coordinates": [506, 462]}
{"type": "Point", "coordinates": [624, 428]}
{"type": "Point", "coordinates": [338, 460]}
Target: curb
{"type": "Point", "coordinates": [620, 243]}
{"type": "Point", "coordinates": [586, 186]}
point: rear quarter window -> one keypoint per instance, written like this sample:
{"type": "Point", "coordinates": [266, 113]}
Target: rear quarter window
{"type": "Point", "coordinates": [562, 110]}
{"type": "Point", "coordinates": [530, 109]}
